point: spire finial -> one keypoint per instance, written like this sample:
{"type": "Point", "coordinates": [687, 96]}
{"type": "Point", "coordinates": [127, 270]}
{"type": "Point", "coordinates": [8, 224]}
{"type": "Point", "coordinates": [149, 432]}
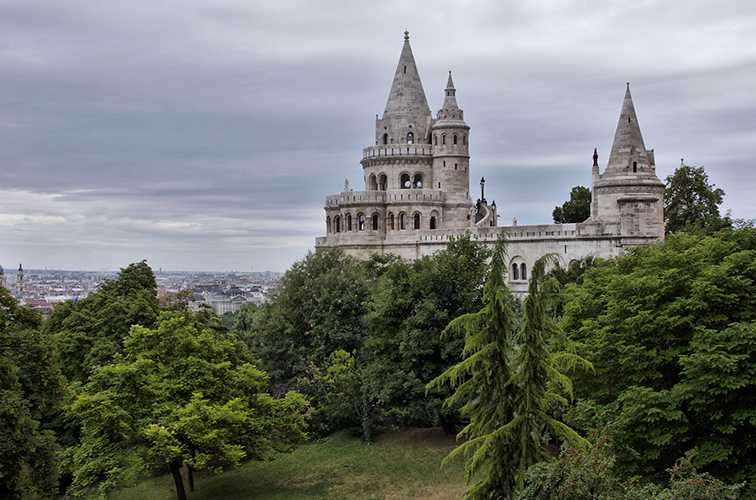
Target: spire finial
{"type": "Point", "coordinates": [406, 36]}
{"type": "Point", "coordinates": [628, 85]}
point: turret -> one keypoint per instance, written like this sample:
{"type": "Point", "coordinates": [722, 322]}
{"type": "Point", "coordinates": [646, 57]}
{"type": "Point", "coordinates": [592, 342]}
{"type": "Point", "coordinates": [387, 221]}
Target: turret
{"type": "Point", "coordinates": [628, 197]}
{"type": "Point", "coordinates": [451, 157]}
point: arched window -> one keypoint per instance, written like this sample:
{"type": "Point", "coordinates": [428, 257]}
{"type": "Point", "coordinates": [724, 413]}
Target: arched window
{"type": "Point", "coordinates": [433, 222]}
{"type": "Point", "coordinates": [385, 138]}
{"type": "Point", "coordinates": [416, 220]}
{"type": "Point", "coordinates": [515, 271]}
{"type": "Point", "coordinates": [404, 181]}
{"type": "Point", "coordinates": [410, 138]}
{"type": "Point", "coordinates": [349, 222]}
{"type": "Point", "coordinates": [635, 166]}
{"type": "Point", "coordinates": [435, 140]}
{"type": "Point", "coordinates": [417, 181]}
{"type": "Point", "coordinates": [360, 222]}
{"type": "Point", "coordinates": [375, 222]}
{"type": "Point", "coordinates": [455, 139]}
{"type": "Point", "coordinates": [523, 271]}
{"type": "Point", "coordinates": [401, 221]}
{"type": "Point", "coordinates": [443, 138]}
{"type": "Point", "coordinates": [372, 183]}
{"type": "Point", "coordinates": [337, 224]}
{"type": "Point", "coordinates": [382, 182]}
{"type": "Point", "coordinates": [391, 221]}
{"type": "Point", "coordinates": [328, 224]}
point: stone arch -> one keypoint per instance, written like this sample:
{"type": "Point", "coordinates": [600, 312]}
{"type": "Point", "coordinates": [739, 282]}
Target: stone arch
{"type": "Point", "coordinates": [337, 224]}
{"type": "Point", "coordinates": [391, 225]}
{"type": "Point", "coordinates": [360, 221]}
{"type": "Point", "coordinates": [348, 222]}
{"type": "Point", "coordinates": [382, 181]}
{"type": "Point", "coordinates": [374, 221]}
{"type": "Point", "coordinates": [372, 183]}
{"type": "Point", "coordinates": [410, 137]}
{"type": "Point", "coordinates": [433, 222]}
{"type": "Point", "coordinates": [404, 180]}
{"type": "Point", "coordinates": [517, 268]}
{"type": "Point", "coordinates": [328, 224]}
{"type": "Point", "coordinates": [417, 180]}
{"type": "Point", "coordinates": [416, 220]}
{"type": "Point", "coordinates": [402, 221]}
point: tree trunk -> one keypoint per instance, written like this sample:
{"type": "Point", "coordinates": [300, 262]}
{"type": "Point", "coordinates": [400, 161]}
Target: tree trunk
{"type": "Point", "coordinates": [190, 471]}
{"type": "Point", "coordinates": [179, 481]}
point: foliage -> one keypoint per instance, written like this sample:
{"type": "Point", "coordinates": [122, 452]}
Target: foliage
{"type": "Point", "coordinates": [691, 203]}
{"type": "Point", "coordinates": [670, 329]}
{"type": "Point", "coordinates": [576, 209]}
{"type": "Point", "coordinates": [182, 393]}
{"type": "Point", "coordinates": [590, 473]}
{"type": "Point", "coordinates": [90, 332]}
{"type": "Point", "coordinates": [31, 392]}
{"type": "Point", "coordinates": [507, 382]}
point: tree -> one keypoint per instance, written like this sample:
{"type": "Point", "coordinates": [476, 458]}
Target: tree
{"type": "Point", "coordinates": [669, 328]}
{"type": "Point", "coordinates": [691, 203]}
{"type": "Point", "coordinates": [180, 394]}
{"type": "Point", "coordinates": [31, 392]}
{"type": "Point", "coordinates": [576, 209]}
{"type": "Point", "coordinates": [507, 382]}
{"type": "Point", "coordinates": [90, 332]}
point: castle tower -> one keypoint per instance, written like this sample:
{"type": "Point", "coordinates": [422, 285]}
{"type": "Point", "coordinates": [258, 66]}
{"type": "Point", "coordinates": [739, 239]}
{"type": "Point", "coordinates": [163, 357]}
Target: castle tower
{"type": "Point", "coordinates": [451, 158]}
{"type": "Point", "coordinates": [628, 196]}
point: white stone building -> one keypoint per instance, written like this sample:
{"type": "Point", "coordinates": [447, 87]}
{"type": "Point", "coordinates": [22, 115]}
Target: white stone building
{"type": "Point", "coordinates": [417, 190]}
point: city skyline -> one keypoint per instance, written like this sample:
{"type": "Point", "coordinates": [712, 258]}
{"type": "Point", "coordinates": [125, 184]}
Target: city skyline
{"type": "Point", "coordinates": [204, 135]}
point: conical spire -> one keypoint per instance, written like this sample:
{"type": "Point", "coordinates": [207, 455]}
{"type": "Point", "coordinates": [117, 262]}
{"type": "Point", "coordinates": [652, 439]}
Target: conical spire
{"type": "Point", "coordinates": [450, 99]}
{"type": "Point", "coordinates": [407, 97]}
{"type": "Point", "coordinates": [450, 110]}
{"type": "Point", "coordinates": [628, 151]}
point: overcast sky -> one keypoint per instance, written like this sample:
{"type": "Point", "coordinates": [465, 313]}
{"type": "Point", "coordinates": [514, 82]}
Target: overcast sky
{"type": "Point", "coordinates": [205, 134]}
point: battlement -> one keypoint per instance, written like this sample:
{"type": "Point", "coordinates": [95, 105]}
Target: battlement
{"type": "Point", "coordinates": [347, 198]}
{"type": "Point", "coordinates": [391, 150]}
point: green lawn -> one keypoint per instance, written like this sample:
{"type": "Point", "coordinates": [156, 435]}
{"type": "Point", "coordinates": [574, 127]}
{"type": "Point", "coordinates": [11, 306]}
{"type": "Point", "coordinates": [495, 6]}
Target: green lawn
{"type": "Point", "coordinates": [402, 465]}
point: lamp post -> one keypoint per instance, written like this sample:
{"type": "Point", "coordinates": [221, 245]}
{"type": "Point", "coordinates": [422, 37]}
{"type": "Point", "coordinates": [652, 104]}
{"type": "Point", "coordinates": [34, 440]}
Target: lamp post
{"type": "Point", "coordinates": [482, 189]}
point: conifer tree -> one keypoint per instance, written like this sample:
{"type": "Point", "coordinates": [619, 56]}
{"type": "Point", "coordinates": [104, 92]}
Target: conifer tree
{"type": "Point", "coordinates": [507, 381]}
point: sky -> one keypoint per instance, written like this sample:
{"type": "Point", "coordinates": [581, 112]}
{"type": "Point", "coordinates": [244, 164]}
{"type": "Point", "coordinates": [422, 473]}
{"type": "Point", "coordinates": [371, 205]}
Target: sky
{"type": "Point", "coordinates": [206, 134]}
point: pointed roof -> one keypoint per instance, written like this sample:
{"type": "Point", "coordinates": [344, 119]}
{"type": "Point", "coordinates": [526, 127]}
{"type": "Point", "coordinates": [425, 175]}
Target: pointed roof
{"type": "Point", "coordinates": [407, 97]}
{"type": "Point", "coordinates": [628, 140]}
{"type": "Point", "coordinates": [450, 99]}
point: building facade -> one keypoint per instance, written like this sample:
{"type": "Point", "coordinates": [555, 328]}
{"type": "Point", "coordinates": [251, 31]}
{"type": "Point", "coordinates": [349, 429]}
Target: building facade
{"type": "Point", "coordinates": [417, 189]}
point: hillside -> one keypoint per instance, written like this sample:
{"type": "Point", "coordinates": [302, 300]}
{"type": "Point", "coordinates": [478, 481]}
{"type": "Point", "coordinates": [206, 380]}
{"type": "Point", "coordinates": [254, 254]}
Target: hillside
{"type": "Point", "coordinates": [400, 465]}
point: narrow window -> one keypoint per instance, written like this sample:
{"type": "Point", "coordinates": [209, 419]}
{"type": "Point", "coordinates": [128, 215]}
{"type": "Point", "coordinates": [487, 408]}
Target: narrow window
{"type": "Point", "coordinates": [404, 181]}
{"type": "Point", "coordinates": [455, 166]}
{"type": "Point", "coordinates": [349, 222]}
{"type": "Point", "coordinates": [405, 70]}
{"type": "Point", "coordinates": [455, 139]}
{"type": "Point", "coordinates": [444, 163]}
{"type": "Point", "coordinates": [439, 185]}
{"type": "Point", "coordinates": [375, 222]}
{"type": "Point", "coordinates": [523, 271]}
{"type": "Point", "coordinates": [443, 138]}
{"type": "Point", "coordinates": [401, 221]}
{"type": "Point", "coordinates": [360, 222]}
{"type": "Point", "coordinates": [328, 225]}
{"type": "Point", "coordinates": [385, 138]}
{"type": "Point", "coordinates": [515, 272]}
{"type": "Point", "coordinates": [417, 182]}
{"type": "Point", "coordinates": [410, 138]}
{"type": "Point", "coordinates": [433, 222]}
{"type": "Point", "coordinates": [464, 139]}
{"type": "Point", "coordinates": [391, 221]}
{"type": "Point", "coordinates": [337, 224]}
{"type": "Point", "coordinates": [635, 166]}
{"type": "Point", "coordinates": [435, 140]}
{"type": "Point", "coordinates": [417, 221]}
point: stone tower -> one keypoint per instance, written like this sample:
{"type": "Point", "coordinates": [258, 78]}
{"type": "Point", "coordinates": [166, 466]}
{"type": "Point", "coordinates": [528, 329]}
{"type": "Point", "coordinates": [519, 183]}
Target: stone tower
{"type": "Point", "coordinates": [628, 196]}
{"type": "Point", "coordinates": [451, 159]}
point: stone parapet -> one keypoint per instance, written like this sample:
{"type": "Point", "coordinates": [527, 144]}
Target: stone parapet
{"type": "Point", "coordinates": [355, 198]}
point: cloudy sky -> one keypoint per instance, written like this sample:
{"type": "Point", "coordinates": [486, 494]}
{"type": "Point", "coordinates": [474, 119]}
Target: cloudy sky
{"type": "Point", "coordinates": [205, 134]}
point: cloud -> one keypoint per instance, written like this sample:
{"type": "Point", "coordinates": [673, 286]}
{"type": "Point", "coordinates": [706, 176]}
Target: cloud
{"type": "Point", "coordinates": [206, 133]}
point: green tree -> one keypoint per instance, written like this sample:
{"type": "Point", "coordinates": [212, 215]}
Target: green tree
{"type": "Point", "coordinates": [691, 203]}
{"type": "Point", "coordinates": [669, 328]}
{"type": "Point", "coordinates": [31, 392]}
{"type": "Point", "coordinates": [90, 332]}
{"type": "Point", "coordinates": [576, 209]}
{"type": "Point", "coordinates": [182, 394]}
{"type": "Point", "coordinates": [508, 381]}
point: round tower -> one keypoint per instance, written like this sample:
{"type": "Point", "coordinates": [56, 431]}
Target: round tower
{"type": "Point", "coordinates": [450, 136]}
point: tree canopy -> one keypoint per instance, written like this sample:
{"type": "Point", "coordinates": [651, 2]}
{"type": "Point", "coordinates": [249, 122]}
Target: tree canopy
{"type": "Point", "coordinates": [691, 203]}
{"type": "Point", "coordinates": [576, 209]}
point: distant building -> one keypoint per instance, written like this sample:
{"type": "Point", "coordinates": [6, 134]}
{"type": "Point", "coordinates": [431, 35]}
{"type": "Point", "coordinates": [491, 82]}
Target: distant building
{"type": "Point", "coordinates": [2, 277]}
{"type": "Point", "coordinates": [417, 190]}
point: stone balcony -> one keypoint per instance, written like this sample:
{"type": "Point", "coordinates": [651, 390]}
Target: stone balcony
{"type": "Point", "coordinates": [416, 196]}
{"type": "Point", "coordinates": [394, 150]}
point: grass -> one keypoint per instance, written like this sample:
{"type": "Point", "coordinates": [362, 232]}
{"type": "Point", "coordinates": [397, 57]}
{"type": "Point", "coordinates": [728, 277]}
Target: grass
{"type": "Point", "coordinates": [401, 465]}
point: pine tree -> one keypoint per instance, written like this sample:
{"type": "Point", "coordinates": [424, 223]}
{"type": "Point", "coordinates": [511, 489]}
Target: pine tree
{"type": "Point", "coordinates": [508, 380]}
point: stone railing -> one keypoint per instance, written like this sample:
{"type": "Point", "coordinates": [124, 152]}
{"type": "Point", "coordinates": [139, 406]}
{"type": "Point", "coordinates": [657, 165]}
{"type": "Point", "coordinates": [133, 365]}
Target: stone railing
{"type": "Point", "coordinates": [394, 195]}
{"type": "Point", "coordinates": [385, 150]}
